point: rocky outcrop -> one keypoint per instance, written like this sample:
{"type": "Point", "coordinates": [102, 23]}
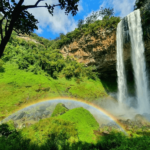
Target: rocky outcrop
{"type": "Point", "coordinates": [100, 50]}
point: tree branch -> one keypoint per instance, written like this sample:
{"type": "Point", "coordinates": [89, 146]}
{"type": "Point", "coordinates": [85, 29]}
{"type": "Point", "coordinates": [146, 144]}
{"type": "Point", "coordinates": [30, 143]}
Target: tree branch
{"type": "Point", "coordinates": [30, 6]}
{"type": "Point", "coordinates": [38, 2]}
{"type": "Point", "coordinates": [34, 6]}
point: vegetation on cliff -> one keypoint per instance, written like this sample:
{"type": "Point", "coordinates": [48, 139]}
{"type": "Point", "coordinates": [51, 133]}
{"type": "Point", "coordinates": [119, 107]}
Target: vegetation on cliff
{"type": "Point", "coordinates": [107, 22]}
{"type": "Point", "coordinates": [144, 6]}
{"type": "Point", "coordinates": [34, 57]}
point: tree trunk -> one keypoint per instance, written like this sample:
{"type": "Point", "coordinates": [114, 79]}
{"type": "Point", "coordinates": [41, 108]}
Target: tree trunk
{"type": "Point", "coordinates": [15, 16]}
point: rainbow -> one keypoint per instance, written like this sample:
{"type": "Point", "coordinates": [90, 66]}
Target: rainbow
{"type": "Point", "coordinates": [82, 101]}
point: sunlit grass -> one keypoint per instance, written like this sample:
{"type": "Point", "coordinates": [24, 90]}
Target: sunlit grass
{"type": "Point", "coordinates": [85, 123]}
{"type": "Point", "coordinates": [18, 88]}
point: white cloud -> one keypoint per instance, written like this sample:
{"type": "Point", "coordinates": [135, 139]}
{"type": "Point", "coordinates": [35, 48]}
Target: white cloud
{"type": "Point", "coordinates": [39, 31]}
{"type": "Point", "coordinates": [57, 23]}
{"type": "Point", "coordinates": [80, 8]}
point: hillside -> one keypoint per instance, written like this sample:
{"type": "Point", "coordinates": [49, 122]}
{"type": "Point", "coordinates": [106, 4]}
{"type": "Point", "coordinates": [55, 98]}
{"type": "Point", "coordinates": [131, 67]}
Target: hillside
{"type": "Point", "coordinates": [80, 65]}
{"type": "Point", "coordinates": [32, 71]}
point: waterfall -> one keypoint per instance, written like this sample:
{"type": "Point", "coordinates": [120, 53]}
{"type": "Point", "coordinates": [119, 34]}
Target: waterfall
{"type": "Point", "coordinates": [130, 29]}
{"type": "Point", "coordinates": [122, 86]}
{"type": "Point", "coordinates": [138, 61]}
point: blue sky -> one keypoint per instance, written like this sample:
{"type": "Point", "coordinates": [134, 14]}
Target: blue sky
{"type": "Point", "coordinates": [50, 26]}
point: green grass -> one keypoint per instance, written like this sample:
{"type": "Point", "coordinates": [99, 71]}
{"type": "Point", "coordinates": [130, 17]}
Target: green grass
{"type": "Point", "coordinates": [85, 122]}
{"type": "Point", "coordinates": [18, 88]}
{"type": "Point", "coordinates": [59, 110]}
{"type": "Point", "coordinates": [41, 131]}
{"type": "Point", "coordinates": [78, 124]}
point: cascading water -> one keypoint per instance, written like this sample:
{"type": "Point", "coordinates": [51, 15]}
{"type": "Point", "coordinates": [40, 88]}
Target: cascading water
{"type": "Point", "coordinates": [138, 61]}
{"type": "Point", "coordinates": [122, 86]}
{"type": "Point", "coordinates": [131, 27]}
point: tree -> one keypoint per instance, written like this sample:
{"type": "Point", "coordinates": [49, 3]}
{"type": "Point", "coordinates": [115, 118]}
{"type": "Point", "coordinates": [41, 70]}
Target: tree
{"type": "Point", "coordinates": [139, 4]}
{"type": "Point", "coordinates": [106, 12]}
{"type": "Point", "coordinates": [103, 12]}
{"type": "Point", "coordinates": [16, 17]}
{"type": "Point", "coordinates": [61, 35]}
{"type": "Point", "coordinates": [92, 18]}
{"type": "Point", "coordinates": [80, 23]}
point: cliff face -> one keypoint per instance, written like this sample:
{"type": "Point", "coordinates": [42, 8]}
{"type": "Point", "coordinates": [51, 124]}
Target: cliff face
{"type": "Point", "coordinates": [100, 50]}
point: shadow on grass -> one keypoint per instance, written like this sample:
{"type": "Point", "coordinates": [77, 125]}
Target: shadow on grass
{"type": "Point", "coordinates": [2, 69]}
{"type": "Point", "coordinates": [10, 139]}
{"type": "Point", "coordinates": [110, 84]}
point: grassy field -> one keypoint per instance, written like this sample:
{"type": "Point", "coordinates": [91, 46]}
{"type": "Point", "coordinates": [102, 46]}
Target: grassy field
{"type": "Point", "coordinates": [19, 88]}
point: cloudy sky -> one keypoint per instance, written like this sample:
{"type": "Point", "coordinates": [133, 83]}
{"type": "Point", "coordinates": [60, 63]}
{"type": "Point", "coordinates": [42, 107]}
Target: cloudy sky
{"type": "Point", "coordinates": [50, 26]}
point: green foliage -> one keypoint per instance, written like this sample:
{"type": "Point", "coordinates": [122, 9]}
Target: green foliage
{"type": "Point", "coordinates": [145, 23]}
{"type": "Point", "coordinates": [106, 22]}
{"type": "Point", "coordinates": [46, 128]}
{"type": "Point", "coordinates": [145, 16]}
{"type": "Point", "coordinates": [139, 4]}
{"type": "Point", "coordinates": [59, 110]}
{"type": "Point", "coordinates": [58, 139]}
{"type": "Point", "coordinates": [37, 58]}
{"type": "Point", "coordinates": [80, 23]}
{"type": "Point", "coordinates": [106, 12]}
{"type": "Point", "coordinates": [75, 69]}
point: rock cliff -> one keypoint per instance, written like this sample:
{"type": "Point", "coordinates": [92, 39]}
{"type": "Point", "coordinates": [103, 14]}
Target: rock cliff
{"type": "Point", "coordinates": [100, 50]}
